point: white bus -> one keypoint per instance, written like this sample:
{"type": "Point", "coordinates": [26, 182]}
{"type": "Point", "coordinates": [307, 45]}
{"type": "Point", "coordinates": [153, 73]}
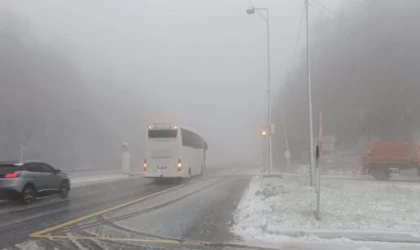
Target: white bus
{"type": "Point", "coordinates": [173, 152]}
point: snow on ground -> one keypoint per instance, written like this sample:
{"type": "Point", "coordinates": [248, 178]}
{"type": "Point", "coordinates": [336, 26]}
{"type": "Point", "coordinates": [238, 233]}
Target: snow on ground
{"type": "Point", "coordinates": [322, 244]}
{"type": "Point", "coordinates": [89, 177]}
{"type": "Point", "coordinates": [285, 206]}
{"type": "Point", "coordinates": [81, 181]}
{"type": "Point", "coordinates": [29, 245]}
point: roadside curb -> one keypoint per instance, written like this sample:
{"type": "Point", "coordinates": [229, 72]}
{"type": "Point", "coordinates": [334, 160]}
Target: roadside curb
{"type": "Point", "coordinates": [354, 235]}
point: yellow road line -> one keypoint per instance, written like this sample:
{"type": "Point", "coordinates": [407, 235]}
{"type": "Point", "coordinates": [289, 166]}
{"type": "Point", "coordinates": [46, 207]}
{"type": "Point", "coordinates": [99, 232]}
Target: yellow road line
{"type": "Point", "coordinates": [80, 219]}
{"type": "Point", "coordinates": [106, 238]}
{"type": "Point", "coordinates": [187, 242]}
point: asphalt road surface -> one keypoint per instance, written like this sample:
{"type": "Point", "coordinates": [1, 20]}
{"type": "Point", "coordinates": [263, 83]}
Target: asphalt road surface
{"type": "Point", "coordinates": [131, 213]}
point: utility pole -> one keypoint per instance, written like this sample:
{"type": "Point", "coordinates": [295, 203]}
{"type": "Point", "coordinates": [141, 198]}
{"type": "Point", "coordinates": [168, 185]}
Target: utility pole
{"type": "Point", "coordinates": [308, 68]}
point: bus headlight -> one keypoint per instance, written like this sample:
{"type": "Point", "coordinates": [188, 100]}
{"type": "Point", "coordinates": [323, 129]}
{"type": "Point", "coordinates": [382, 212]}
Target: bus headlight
{"type": "Point", "coordinates": [145, 165]}
{"type": "Point", "coordinates": [179, 166]}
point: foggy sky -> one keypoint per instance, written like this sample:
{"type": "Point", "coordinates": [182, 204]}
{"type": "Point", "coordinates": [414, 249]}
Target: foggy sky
{"type": "Point", "coordinates": [201, 63]}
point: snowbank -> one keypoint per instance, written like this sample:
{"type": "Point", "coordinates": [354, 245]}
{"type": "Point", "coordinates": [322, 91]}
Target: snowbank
{"type": "Point", "coordinates": [285, 206]}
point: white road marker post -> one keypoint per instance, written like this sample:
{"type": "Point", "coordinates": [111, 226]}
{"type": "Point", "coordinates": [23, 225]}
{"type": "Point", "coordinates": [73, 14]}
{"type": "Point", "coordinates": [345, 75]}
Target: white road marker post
{"type": "Point", "coordinates": [125, 160]}
{"type": "Point", "coordinates": [22, 149]}
{"type": "Point", "coordinates": [287, 156]}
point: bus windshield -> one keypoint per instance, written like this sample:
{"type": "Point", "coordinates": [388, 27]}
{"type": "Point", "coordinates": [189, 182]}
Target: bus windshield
{"type": "Point", "coordinates": [168, 133]}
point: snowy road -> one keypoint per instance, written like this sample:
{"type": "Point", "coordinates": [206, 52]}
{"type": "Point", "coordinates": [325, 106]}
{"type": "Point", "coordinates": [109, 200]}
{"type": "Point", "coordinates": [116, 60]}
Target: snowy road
{"type": "Point", "coordinates": [196, 210]}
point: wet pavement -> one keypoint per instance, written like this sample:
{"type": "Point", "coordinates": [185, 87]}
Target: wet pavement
{"type": "Point", "coordinates": [128, 214]}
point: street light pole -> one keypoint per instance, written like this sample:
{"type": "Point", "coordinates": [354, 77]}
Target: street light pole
{"type": "Point", "coordinates": [308, 68]}
{"type": "Point", "coordinates": [269, 125]}
{"type": "Point", "coordinates": [270, 148]}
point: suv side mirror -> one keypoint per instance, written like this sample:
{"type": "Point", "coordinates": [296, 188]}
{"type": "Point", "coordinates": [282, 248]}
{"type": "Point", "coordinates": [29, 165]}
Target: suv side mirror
{"type": "Point", "coordinates": [57, 171]}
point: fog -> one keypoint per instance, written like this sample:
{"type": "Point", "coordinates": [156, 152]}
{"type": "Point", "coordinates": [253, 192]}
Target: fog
{"type": "Point", "coordinates": [81, 77]}
{"type": "Point", "coordinates": [365, 71]}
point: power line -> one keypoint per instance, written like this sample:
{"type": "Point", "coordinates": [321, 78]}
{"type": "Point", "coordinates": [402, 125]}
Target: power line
{"type": "Point", "coordinates": [322, 7]}
{"type": "Point", "coordinates": [320, 10]}
{"type": "Point", "coordinates": [298, 34]}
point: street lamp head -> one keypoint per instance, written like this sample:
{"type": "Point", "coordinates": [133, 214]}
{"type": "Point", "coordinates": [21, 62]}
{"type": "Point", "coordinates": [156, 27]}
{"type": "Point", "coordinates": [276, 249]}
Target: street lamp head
{"type": "Point", "coordinates": [250, 11]}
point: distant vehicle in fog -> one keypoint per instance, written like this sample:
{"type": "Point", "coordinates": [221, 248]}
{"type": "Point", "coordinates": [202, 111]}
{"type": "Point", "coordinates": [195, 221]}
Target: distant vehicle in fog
{"type": "Point", "coordinates": [173, 152]}
{"type": "Point", "coordinates": [27, 180]}
{"type": "Point", "coordinates": [383, 156]}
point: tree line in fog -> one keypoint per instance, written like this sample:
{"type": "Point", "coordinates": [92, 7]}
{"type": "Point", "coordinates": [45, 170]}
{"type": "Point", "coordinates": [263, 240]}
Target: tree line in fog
{"type": "Point", "coordinates": [50, 110]}
{"type": "Point", "coordinates": [365, 65]}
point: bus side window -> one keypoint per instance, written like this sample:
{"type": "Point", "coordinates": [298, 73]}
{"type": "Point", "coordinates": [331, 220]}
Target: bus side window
{"type": "Point", "coordinates": [190, 139]}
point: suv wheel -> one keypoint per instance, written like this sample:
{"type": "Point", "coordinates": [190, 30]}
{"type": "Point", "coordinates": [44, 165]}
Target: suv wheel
{"type": "Point", "coordinates": [64, 190]}
{"type": "Point", "coordinates": [28, 195]}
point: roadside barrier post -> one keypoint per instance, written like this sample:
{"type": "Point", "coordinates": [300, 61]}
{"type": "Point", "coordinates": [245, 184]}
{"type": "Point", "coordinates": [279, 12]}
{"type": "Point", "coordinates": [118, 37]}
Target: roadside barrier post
{"type": "Point", "coordinates": [125, 160]}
